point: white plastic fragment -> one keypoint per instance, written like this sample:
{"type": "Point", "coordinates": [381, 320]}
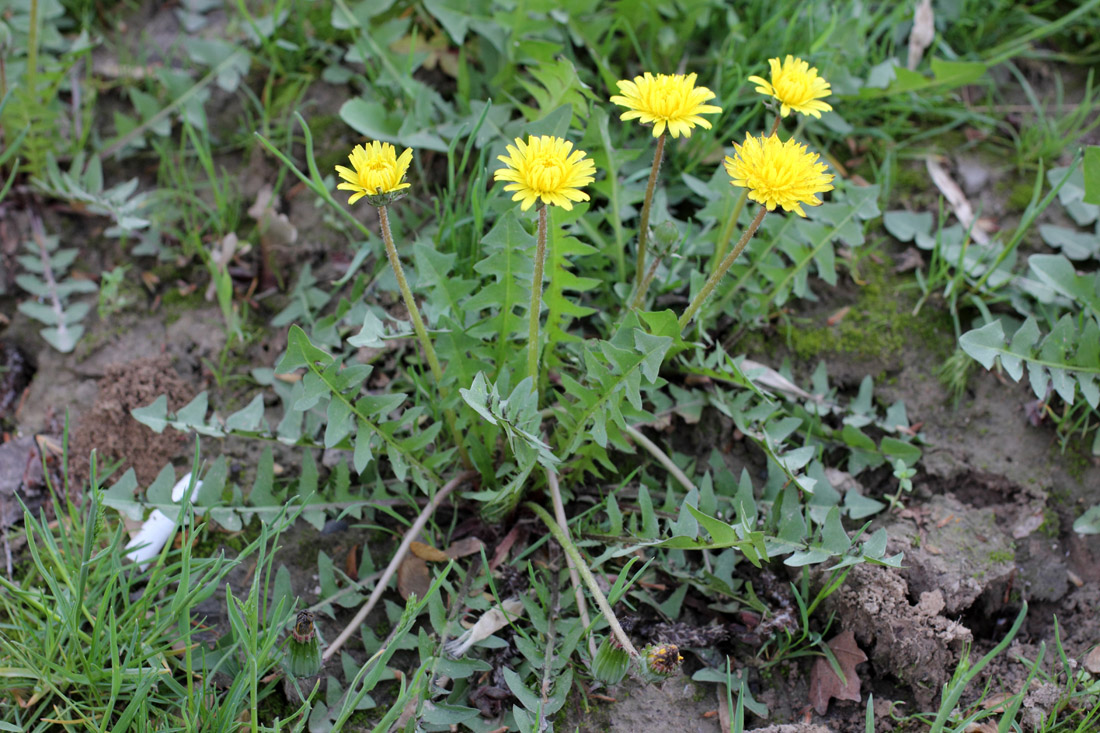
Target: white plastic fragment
{"type": "Point", "coordinates": [154, 532]}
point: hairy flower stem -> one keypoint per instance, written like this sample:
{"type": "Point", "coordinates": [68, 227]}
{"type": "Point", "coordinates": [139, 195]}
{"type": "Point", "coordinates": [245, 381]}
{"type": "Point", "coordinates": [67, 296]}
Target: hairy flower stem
{"type": "Point", "coordinates": [715, 276]}
{"type": "Point", "coordinates": [562, 536]}
{"type": "Point", "coordinates": [727, 230]}
{"type": "Point", "coordinates": [421, 332]}
{"type": "Point", "coordinates": [643, 224]}
{"type": "Point", "coordinates": [536, 302]}
{"type": "Point", "coordinates": [639, 296]}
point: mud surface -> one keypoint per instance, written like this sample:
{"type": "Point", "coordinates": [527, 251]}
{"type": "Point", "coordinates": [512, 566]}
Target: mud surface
{"type": "Point", "coordinates": [110, 429]}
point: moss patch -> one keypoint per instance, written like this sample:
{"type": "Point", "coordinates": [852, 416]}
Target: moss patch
{"type": "Point", "coordinates": [879, 324]}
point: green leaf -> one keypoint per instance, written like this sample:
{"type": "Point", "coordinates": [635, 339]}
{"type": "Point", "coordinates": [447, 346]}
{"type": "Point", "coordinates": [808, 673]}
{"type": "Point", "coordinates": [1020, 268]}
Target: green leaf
{"type": "Point", "coordinates": [155, 415]}
{"type": "Point", "coordinates": [1091, 171]}
{"type": "Point", "coordinates": [434, 276]}
{"type": "Point", "coordinates": [895, 448]}
{"type": "Point", "coordinates": [453, 15]}
{"type": "Point", "coordinates": [561, 310]}
{"type": "Point", "coordinates": [527, 698]}
{"type": "Point", "coordinates": [946, 75]}
{"type": "Point", "coordinates": [518, 416]}
{"type": "Point", "coordinates": [906, 225]}
{"type": "Point", "coordinates": [249, 418]}
{"type": "Point", "coordinates": [984, 344]}
{"type": "Point", "coordinates": [1089, 522]}
{"type": "Point", "coordinates": [1065, 358]}
{"type": "Point", "coordinates": [1060, 274]}
{"type": "Point", "coordinates": [300, 352]}
{"type": "Point", "coordinates": [558, 86]}
{"type": "Point", "coordinates": [371, 119]}
{"type": "Point", "coordinates": [121, 496]}
{"type": "Point", "coordinates": [833, 537]}
{"type": "Point", "coordinates": [721, 533]}
{"type": "Point", "coordinates": [508, 261]}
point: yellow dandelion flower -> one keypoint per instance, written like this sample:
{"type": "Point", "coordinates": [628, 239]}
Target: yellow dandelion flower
{"type": "Point", "coordinates": [796, 85]}
{"type": "Point", "coordinates": [544, 168]}
{"type": "Point", "coordinates": [670, 100]}
{"type": "Point", "coordinates": [778, 173]}
{"type": "Point", "coordinates": [375, 169]}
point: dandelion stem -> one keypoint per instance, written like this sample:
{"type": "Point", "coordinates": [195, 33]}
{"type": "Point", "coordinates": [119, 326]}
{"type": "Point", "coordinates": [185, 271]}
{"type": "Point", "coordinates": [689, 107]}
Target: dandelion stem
{"type": "Point", "coordinates": [727, 230]}
{"type": "Point", "coordinates": [536, 302]}
{"type": "Point", "coordinates": [421, 332]}
{"type": "Point", "coordinates": [562, 536]}
{"type": "Point", "coordinates": [775, 125]}
{"type": "Point", "coordinates": [643, 224]}
{"type": "Point", "coordinates": [715, 276]}
{"type": "Point", "coordinates": [639, 296]}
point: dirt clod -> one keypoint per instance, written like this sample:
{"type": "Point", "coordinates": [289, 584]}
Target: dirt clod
{"type": "Point", "coordinates": [903, 640]}
{"type": "Point", "coordinates": [956, 549]}
{"type": "Point", "coordinates": [110, 429]}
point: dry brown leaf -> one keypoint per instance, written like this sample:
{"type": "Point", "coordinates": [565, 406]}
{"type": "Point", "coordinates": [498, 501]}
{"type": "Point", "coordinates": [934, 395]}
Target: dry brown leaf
{"type": "Point", "coordinates": [824, 682]}
{"type": "Point", "coordinates": [983, 727]}
{"type": "Point", "coordinates": [351, 562]}
{"type": "Point", "coordinates": [1092, 661]}
{"type": "Point", "coordinates": [501, 553]}
{"type": "Point", "coordinates": [275, 228]}
{"type": "Point", "coordinates": [221, 256]}
{"type": "Point", "coordinates": [464, 547]}
{"type": "Point", "coordinates": [490, 622]}
{"type": "Point", "coordinates": [764, 376]}
{"type": "Point", "coordinates": [997, 701]}
{"type": "Point", "coordinates": [838, 316]}
{"type": "Point", "coordinates": [413, 577]}
{"type": "Point", "coordinates": [723, 709]}
{"type": "Point", "coordinates": [910, 259]}
{"type": "Point", "coordinates": [958, 201]}
{"type": "Point", "coordinates": [427, 552]}
{"type": "Point", "coordinates": [924, 30]}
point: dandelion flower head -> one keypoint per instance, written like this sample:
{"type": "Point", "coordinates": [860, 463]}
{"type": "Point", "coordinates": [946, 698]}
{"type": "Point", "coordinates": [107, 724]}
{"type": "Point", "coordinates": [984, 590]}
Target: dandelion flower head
{"type": "Point", "coordinates": [796, 85]}
{"type": "Point", "coordinates": [545, 168]}
{"type": "Point", "coordinates": [375, 169]}
{"type": "Point", "coordinates": [666, 100]}
{"type": "Point", "coordinates": [778, 173]}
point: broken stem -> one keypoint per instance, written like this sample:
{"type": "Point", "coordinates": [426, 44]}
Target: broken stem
{"type": "Point", "coordinates": [562, 536]}
{"type": "Point", "coordinates": [574, 578]}
{"type": "Point", "coordinates": [395, 562]}
{"type": "Point", "coordinates": [661, 456]}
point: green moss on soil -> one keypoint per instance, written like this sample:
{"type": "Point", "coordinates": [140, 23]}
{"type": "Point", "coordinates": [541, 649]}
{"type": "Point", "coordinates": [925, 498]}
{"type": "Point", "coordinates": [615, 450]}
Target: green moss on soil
{"type": "Point", "coordinates": [879, 324]}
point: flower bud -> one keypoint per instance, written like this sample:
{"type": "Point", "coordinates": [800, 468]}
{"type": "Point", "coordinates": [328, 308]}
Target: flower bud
{"type": "Point", "coordinates": [611, 662]}
{"type": "Point", "coordinates": [303, 656]}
